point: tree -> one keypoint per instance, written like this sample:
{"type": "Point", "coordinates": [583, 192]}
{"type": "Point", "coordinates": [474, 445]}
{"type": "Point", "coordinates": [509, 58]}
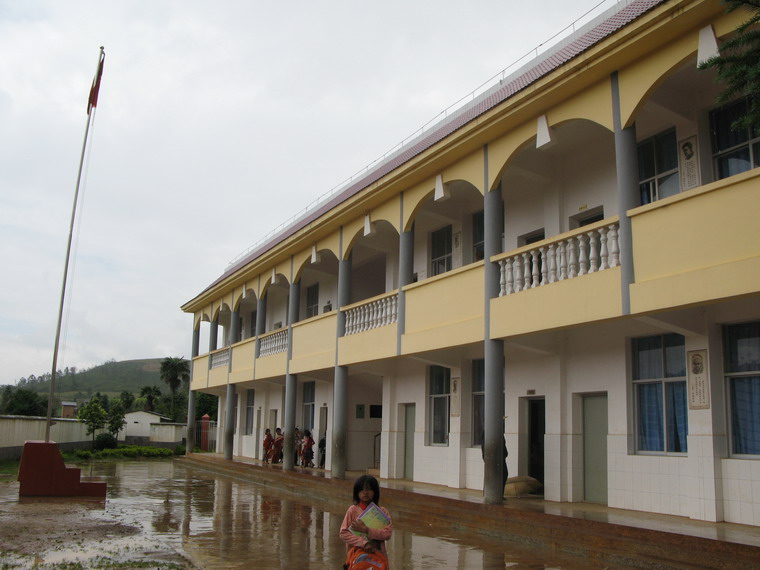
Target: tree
{"type": "Point", "coordinates": [151, 394]}
{"type": "Point", "coordinates": [22, 402]}
{"type": "Point", "coordinates": [206, 404]}
{"type": "Point", "coordinates": [174, 371]}
{"type": "Point", "coordinates": [115, 418]}
{"type": "Point", "coordinates": [128, 399]}
{"type": "Point", "coordinates": [738, 64]}
{"type": "Point", "coordinates": [93, 416]}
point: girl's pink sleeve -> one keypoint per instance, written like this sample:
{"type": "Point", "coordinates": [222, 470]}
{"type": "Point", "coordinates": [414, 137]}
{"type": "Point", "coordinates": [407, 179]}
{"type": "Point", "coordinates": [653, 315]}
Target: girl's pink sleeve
{"type": "Point", "coordinates": [382, 533]}
{"type": "Point", "coordinates": [345, 533]}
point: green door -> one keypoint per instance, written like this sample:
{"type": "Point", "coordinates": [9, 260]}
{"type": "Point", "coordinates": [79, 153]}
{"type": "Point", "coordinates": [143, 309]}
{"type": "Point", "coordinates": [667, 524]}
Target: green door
{"type": "Point", "coordinates": [595, 448]}
{"type": "Point", "coordinates": [409, 418]}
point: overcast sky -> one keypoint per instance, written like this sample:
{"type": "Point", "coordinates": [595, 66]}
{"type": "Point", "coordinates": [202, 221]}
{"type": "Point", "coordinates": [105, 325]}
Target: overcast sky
{"type": "Point", "coordinates": [216, 122]}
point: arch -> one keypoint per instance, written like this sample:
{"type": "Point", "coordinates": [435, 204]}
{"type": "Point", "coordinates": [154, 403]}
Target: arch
{"type": "Point", "coordinates": [328, 259]}
{"type": "Point", "coordinates": [461, 191]}
{"type": "Point", "coordinates": [383, 229]}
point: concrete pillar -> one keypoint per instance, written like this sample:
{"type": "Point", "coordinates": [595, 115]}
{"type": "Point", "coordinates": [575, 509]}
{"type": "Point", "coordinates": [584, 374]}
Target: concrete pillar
{"type": "Point", "coordinates": [493, 443]}
{"type": "Point", "coordinates": [229, 422]}
{"type": "Point", "coordinates": [234, 327]}
{"type": "Point", "coordinates": [627, 165]}
{"type": "Point", "coordinates": [261, 322]}
{"type": "Point", "coordinates": [406, 272]}
{"type": "Point", "coordinates": [190, 436]}
{"type": "Point", "coordinates": [340, 388]}
{"type": "Point", "coordinates": [291, 383]}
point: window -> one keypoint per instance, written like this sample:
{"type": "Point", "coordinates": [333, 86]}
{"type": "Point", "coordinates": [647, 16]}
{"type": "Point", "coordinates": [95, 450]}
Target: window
{"type": "Point", "coordinates": [478, 401]}
{"type": "Point", "coordinates": [312, 300]}
{"type": "Point", "coordinates": [440, 380]}
{"type": "Point", "coordinates": [734, 150]}
{"type": "Point", "coordinates": [742, 365]}
{"type": "Point", "coordinates": [658, 167]}
{"type": "Point", "coordinates": [249, 395]}
{"type": "Point", "coordinates": [253, 324]}
{"type": "Point", "coordinates": [440, 251]}
{"type": "Point", "coordinates": [659, 377]}
{"type": "Point", "coordinates": [308, 405]}
{"type": "Point", "coordinates": [478, 236]}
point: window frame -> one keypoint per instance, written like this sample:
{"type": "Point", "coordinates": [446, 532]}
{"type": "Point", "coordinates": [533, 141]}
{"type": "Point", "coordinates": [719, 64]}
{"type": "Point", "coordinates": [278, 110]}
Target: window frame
{"type": "Point", "coordinates": [446, 257]}
{"type": "Point", "coordinates": [250, 398]}
{"type": "Point", "coordinates": [750, 139]}
{"type": "Point", "coordinates": [670, 386]}
{"type": "Point", "coordinates": [655, 180]}
{"type": "Point", "coordinates": [478, 235]}
{"type": "Point", "coordinates": [312, 294]}
{"type": "Point", "coordinates": [439, 396]}
{"type": "Point", "coordinates": [308, 409]}
{"type": "Point", "coordinates": [731, 374]}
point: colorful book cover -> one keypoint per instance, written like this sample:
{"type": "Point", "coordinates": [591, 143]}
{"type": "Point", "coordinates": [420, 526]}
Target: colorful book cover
{"type": "Point", "coordinates": [373, 517]}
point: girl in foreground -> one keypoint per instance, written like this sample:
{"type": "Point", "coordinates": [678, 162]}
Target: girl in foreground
{"type": "Point", "coordinates": [366, 491]}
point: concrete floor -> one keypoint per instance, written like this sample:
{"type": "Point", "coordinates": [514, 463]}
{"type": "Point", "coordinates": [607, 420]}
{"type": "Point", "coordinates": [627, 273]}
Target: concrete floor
{"type": "Point", "coordinates": [617, 536]}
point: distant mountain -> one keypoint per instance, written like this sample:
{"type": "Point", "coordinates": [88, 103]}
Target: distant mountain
{"type": "Point", "coordinates": [110, 378]}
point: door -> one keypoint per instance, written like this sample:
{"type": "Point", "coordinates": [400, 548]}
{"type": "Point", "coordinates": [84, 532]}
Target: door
{"type": "Point", "coordinates": [595, 448]}
{"type": "Point", "coordinates": [258, 450]}
{"type": "Point", "coordinates": [536, 432]}
{"type": "Point", "coordinates": [409, 422]}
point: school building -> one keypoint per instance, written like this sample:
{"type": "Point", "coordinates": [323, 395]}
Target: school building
{"type": "Point", "coordinates": [569, 263]}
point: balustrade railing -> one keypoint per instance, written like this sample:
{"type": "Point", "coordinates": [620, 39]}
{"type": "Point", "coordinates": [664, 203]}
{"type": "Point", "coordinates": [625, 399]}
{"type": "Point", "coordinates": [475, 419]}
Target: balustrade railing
{"type": "Point", "coordinates": [221, 358]}
{"type": "Point", "coordinates": [372, 315]}
{"type": "Point", "coordinates": [594, 250]}
{"type": "Point", "coordinates": [274, 343]}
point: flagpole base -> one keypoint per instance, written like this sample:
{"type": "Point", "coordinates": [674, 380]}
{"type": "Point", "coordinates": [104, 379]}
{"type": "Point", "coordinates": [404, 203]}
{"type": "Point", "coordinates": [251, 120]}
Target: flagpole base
{"type": "Point", "coordinates": [42, 473]}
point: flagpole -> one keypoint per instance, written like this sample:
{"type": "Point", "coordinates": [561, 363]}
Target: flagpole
{"type": "Point", "coordinates": [91, 106]}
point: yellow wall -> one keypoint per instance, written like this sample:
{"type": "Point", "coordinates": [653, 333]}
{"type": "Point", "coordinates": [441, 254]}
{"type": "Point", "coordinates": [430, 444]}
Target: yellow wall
{"type": "Point", "coordinates": [446, 310]}
{"type": "Point", "coordinates": [200, 373]}
{"type": "Point", "coordinates": [242, 360]}
{"type": "Point", "coordinates": [271, 366]}
{"type": "Point", "coordinates": [314, 343]}
{"type": "Point", "coordinates": [218, 376]}
{"type": "Point", "coordinates": [700, 245]}
{"type": "Point", "coordinates": [583, 299]}
{"type": "Point", "coordinates": [369, 345]}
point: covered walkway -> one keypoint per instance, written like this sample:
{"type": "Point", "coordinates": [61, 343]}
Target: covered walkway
{"type": "Point", "coordinates": [616, 536]}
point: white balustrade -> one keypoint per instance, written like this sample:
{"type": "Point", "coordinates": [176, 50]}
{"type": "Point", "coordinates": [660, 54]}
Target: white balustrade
{"type": "Point", "coordinates": [274, 343]}
{"type": "Point", "coordinates": [221, 358]}
{"type": "Point", "coordinates": [372, 315]}
{"type": "Point", "coordinates": [588, 252]}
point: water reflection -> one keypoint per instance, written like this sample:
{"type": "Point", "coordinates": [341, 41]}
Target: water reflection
{"type": "Point", "coordinates": [220, 522]}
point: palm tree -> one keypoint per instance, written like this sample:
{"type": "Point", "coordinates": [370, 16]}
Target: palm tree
{"type": "Point", "coordinates": [150, 393]}
{"type": "Point", "coordinates": [174, 371]}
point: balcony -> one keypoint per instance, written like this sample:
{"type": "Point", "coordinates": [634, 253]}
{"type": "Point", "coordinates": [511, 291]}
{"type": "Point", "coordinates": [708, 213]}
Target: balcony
{"type": "Point", "coordinates": [568, 279]}
{"type": "Point", "coordinates": [371, 330]}
{"type": "Point", "coordinates": [698, 246]}
{"type": "Point", "coordinates": [243, 354]}
{"type": "Point", "coordinates": [273, 353]}
{"type": "Point", "coordinates": [314, 343]}
{"type": "Point", "coordinates": [199, 373]}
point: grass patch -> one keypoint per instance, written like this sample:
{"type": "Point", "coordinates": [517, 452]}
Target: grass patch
{"type": "Point", "coordinates": [121, 452]}
{"type": "Point", "coordinates": [8, 469]}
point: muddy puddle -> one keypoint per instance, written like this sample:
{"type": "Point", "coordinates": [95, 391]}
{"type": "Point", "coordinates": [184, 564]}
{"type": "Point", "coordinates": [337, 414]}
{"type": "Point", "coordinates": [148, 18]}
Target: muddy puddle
{"type": "Point", "coordinates": [165, 514]}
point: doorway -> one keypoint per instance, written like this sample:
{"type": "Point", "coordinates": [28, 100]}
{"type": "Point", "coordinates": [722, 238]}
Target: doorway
{"type": "Point", "coordinates": [536, 432]}
{"type": "Point", "coordinates": [322, 434]}
{"type": "Point", "coordinates": [595, 448]}
{"type": "Point", "coordinates": [409, 423]}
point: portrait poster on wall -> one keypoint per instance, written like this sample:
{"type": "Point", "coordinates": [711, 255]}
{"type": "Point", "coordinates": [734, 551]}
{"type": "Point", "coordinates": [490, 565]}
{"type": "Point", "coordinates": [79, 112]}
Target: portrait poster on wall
{"type": "Point", "coordinates": [688, 163]}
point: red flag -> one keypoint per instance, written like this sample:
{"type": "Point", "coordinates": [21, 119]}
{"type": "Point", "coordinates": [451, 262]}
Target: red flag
{"type": "Point", "coordinates": [93, 100]}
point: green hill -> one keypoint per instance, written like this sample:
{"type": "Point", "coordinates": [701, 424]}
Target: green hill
{"type": "Point", "coordinates": [110, 378]}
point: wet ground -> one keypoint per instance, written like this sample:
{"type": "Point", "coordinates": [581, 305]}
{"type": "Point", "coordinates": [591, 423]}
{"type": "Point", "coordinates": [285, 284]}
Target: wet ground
{"type": "Point", "coordinates": [165, 514]}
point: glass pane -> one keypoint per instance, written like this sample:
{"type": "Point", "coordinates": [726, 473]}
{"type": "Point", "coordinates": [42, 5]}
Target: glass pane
{"type": "Point", "coordinates": [649, 397]}
{"type": "Point", "coordinates": [647, 358]}
{"type": "Point", "coordinates": [439, 380]}
{"type": "Point", "coordinates": [478, 375]}
{"type": "Point", "coordinates": [678, 421]}
{"type": "Point", "coordinates": [666, 151]}
{"type": "Point", "coordinates": [675, 355]}
{"type": "Point", "coordinates": [440, 426]}
{"type": "Point", "coordinates": [745, 415]}
{"type": "Point", "coordinates": [733, 163]}
{"type": "Point", "coordinates": [756, 154]}
{"type": "Point", "coordinates": [724, 136]}
{"type": "Point", "coordinates": [669, 185]}
{"type": "Point", "coordinates": [646, 160]}
{"type": "Point", "coordinates": [646, 191]}
{"type": "Point", "coordinates": [743, 347]}
{"type": "Point", "coordinates": [441, 242]}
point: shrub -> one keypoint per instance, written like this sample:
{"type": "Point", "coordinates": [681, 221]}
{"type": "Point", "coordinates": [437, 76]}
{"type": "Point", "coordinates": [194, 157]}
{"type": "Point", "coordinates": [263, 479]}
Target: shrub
{"type": "Point", "coordinates": [105, 441]}
{"type": "Point", "coordinates": [180, 450]}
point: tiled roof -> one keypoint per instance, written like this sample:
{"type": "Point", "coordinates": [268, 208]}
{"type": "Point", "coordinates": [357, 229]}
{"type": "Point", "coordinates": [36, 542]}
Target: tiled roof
{"type": "Point", "coordinates": [497, 95]}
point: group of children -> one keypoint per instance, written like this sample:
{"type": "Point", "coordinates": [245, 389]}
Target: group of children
{"type": "Point", "coordinates": [304, 447]}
